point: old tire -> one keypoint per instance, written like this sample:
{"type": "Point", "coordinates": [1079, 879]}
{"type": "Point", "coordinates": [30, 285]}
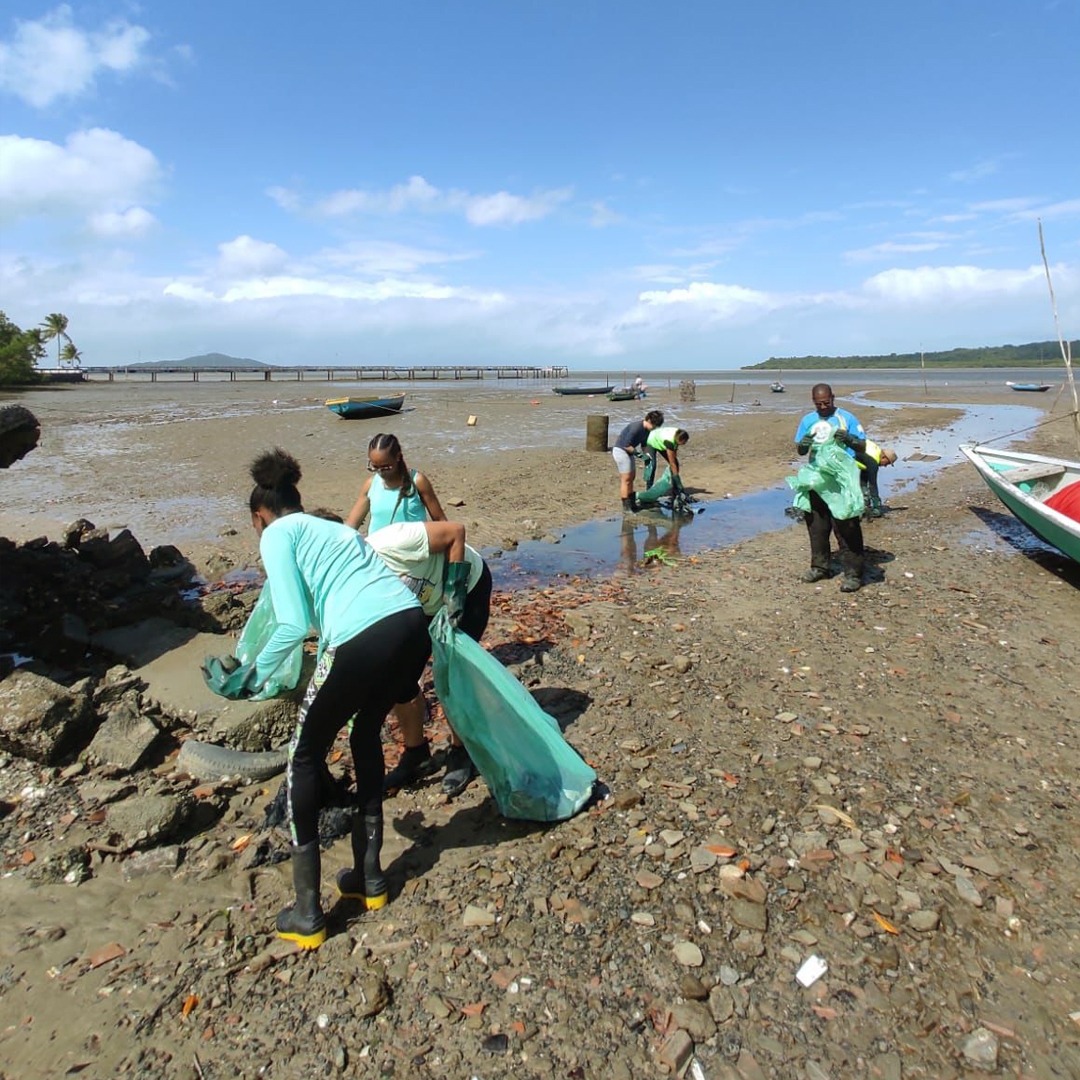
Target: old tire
{"type": "Point", "coordinates": [208, 761]}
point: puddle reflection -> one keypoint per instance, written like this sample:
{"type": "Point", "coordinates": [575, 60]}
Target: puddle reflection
{"type": "Point", "coordinates": [617, 545]}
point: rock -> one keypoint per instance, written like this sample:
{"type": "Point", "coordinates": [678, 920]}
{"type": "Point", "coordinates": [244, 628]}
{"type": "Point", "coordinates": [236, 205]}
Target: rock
{"type": "Point", "coordinates": [146, 820]}
{"type": "Point", "coordinates": [477, 916]}
{"type": "Point", "coordinates": [980, 1050]}
{"type": "Point", "coordinates": [19, 434]}
{"type": "Point", "coordinates": [692, 988]}
{"type": "Point", "coordinates": [687, 953]}
{"type": "Point", "coordinates": [39, 718]}
{"type": "Point", "coordinates": [721, 1003]}
{"type": "Point", "coordinates": [924, 920]}
{"type": "Point", "coordinates": [696, 1019]}
{"type": "Point", "coordinates": [675, 1051]}
{"type": "Point", "coordinates": [123, 738]}
{"type": "Point", "coordinates": [162, 860]}
{"type": "Point", "coordinates": [369, 993]}
{"type": "Point", "coordinates": [682, 664]}
{"type": "Point", "coordinates": [966, 890]}
{"type": "Point", "coordinates": [749, 915]}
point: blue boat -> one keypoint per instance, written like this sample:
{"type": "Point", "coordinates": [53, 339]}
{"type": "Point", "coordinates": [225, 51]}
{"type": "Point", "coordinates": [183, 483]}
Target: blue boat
{"type": "Point", "coordinates": [1029, 387]}
{"type": "Point", "coordinates": [365, 408]}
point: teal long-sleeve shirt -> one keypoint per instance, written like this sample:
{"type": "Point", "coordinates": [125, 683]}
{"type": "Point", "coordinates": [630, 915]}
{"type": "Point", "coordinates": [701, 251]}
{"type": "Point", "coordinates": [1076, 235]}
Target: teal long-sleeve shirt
{"type": "Point", "coordinates": [323, 576]}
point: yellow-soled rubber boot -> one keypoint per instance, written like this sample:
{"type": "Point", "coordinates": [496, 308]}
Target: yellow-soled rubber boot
{"type": "Point", "coordinates": [365, 881]}
{"type": "Point", "coordinates": [304, 922]}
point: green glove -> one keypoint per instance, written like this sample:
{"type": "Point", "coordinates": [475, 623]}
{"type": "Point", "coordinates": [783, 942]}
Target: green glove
{"type": "Point", "coordinates": [844, 438]}
{"type": "Point", "coordinates": [455, 589]}
{"type": "Point", "coordinates": [804, 444]}
{"type": "Point", "coordinates": [228, 678]}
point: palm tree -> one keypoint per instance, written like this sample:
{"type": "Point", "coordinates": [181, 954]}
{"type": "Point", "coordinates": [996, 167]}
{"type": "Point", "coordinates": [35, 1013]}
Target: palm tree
{"type": "Point", "coordinates": [70, 355]}
{"type": "Point", "coordinates": [55, 326]}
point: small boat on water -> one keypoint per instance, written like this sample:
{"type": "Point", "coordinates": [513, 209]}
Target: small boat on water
{"type": "Point", "coordinates": [777, 387]}
{"type": "Point", "coordinates": [1042, 492]}
{"type": "Point", "coordinates": [365, 408]}
{"type": "Point", "coordinates": [1029, 387]}
{"type": "Point", "coordinates": [567, 391]}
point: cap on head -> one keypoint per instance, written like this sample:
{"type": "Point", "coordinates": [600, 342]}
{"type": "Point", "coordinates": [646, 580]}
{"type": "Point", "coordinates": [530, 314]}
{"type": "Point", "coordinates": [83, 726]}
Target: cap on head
{"type": "Point", "coordinates": [888, 457]}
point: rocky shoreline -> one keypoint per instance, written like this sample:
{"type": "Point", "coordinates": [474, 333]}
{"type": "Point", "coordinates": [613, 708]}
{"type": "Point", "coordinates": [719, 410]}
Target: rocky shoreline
{"type": "Point", "coordinates": [885, 781]}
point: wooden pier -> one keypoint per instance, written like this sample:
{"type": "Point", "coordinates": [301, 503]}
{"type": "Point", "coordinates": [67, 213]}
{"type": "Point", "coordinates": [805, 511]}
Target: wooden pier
{"type": "Point", "coordinates": [326, 373]}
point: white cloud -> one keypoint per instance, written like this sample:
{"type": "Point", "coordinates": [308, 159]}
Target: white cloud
{"type": "Point", "coordinates": [52, 58]}
{"type": "Point", "coordinates": [375, 258]}
{"type": "Point", "coordinates": [95, 172]}
{"type": "Point", "coordinates": [245, 255]}
{"type": "Point", "coordinates": [601, 215]}
{"type": "Point", "coordinates": [950, 284]}
{"type": "Point", "coordinates": [888, 249]}
{"type": "Point", "coordinates": [115, 225]}
{"type": "Point", "coordinates": [416, 194]}
{"type": "Point", "coordinates": [721, 300]}
{"type": "Point", "coordinates": [976, 172]}
{"type": "Point", "coordinates": [1050, 211]}
{"type": "Point", "coordinates": [1005, 206]}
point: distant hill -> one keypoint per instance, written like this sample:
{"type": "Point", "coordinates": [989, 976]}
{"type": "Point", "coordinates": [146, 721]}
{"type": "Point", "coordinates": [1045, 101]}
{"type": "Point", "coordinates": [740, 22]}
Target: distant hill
{"type": "Point", "coordinates": [213, 360]}
{"type": "Point", "coordinates": [1037, 354]}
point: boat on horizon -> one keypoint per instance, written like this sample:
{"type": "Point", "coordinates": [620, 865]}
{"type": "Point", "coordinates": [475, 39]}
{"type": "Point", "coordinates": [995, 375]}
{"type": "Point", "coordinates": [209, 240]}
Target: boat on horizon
{"type": "Point", "coordinates": [567, 391]}
{"type": "Point", "coordinates": [365, 407]}
{"type": "Point", "coordinates": [1041, 492]}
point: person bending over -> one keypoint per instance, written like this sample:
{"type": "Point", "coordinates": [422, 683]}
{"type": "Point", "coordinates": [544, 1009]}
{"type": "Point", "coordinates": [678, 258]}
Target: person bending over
{"type": "Point", "coordinates": [434, 561]}
{"type": "Point", "coordinates": [630, 442]}
{"type": "Point", "coordinates": [373, 634]}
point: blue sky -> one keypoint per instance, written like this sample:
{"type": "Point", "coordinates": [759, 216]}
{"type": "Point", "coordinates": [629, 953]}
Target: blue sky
{"type": "Point", "coordinates": [601, 184]}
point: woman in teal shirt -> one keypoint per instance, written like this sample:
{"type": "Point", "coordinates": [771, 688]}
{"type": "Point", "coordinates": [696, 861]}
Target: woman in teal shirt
{"type": "Point", "coordinates": [394, 492]}
{"type": "Point", "coordinates": [322, 575]}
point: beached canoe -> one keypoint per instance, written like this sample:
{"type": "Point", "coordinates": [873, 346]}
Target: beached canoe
{"type": "Point", "coordinates": [1042, 492]}
{"type": "Point", "coordinates": [624, 393]}
{"type": "Point", "coordinates": [365, 408]}
{"type": "Point", "coordinates": [567, 391]}
{"type": "Point", "coordinates": [1029, 387]}
{"type": "Point", "coordinates": [777, 387]}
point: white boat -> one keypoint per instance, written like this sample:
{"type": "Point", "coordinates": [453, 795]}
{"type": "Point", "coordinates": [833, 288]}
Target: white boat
{"type": "Point", "coordinates": [1042, 492]}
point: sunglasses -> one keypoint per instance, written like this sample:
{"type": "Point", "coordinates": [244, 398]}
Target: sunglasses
{"type": "Point", "coordinates": [381, 468]}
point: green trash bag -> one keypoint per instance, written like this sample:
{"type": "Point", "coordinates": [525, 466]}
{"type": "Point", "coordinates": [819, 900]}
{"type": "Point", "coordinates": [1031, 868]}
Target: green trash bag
{"type": "Point", "coordinates": [833, 474]}
{"type": "Point", "coordinates": [532, 771]}
{"type": "Point", "coordinates": [257, 631]}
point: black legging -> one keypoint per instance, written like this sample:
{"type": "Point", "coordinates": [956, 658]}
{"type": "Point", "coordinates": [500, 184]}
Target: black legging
{"type": "Point", "coordinates": [820, 523]}
{"type": "Point", "coordinates": [361, 679]}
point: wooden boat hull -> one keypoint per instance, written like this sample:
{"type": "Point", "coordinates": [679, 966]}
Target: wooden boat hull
{"type": "Point", "coordinates": [624, 394]}
{"type": "Point", "coordinates": [1028, 388]}
{"type": "Point", "coordinates": [365, 408]}
{"type": "Point", "coordinates": [1034, 479]}
{"type": "Point", "coordinates": [573, 391]}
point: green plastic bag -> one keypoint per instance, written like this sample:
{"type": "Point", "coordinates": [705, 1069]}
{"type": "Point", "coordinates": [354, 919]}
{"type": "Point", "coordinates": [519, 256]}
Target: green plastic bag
{"type": "Point", "coordinates": [833, 474]}
{"type": "Point", "coordinates": [532, 771]}
{"type": "Point", "coordinates": [257, 631]}
{"type": "Point", "coordinates": [663, 487]}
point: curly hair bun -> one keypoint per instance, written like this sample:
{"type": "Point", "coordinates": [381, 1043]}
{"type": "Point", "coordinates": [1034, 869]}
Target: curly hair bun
{"type": "Point", "coordinates": [275, 469]}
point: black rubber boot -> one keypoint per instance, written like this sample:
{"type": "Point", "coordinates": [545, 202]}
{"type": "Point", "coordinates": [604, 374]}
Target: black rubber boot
{"type": "Point", "coordinates": [875, 510]}
{"type": "Point", "coordinates": [415, 763]}
{"type": "Point", "coordinates": [459, 771]}
{"type": "Point", "coordinates": [815, 573]}
{"type": "Point", "coordinates": [629, 505]}
{"type": "Point", "coordinates": [853, 568]}
{"type": "Point", "coordinates": [365, 881]}
{"type": "Point", "coordinates": [304, 922]}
